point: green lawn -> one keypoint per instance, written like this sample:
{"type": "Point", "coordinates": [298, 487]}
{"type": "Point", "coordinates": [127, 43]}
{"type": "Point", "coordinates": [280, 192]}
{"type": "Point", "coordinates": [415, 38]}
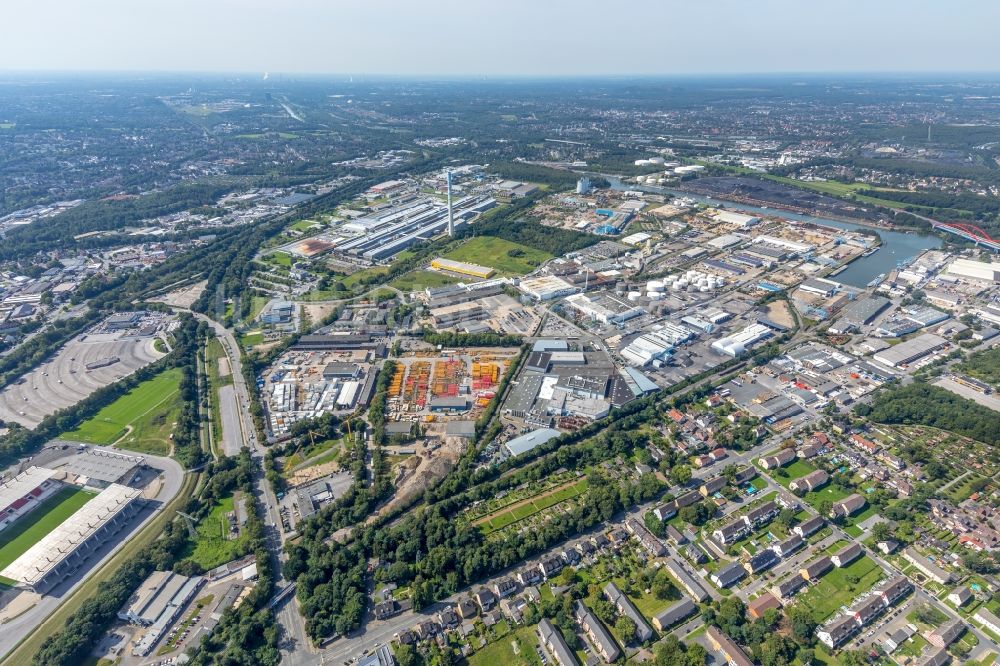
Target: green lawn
{"type": "Point", "coordinates": [493, 252]}
{"type": "Point", "coordinates": [308, 452]}
{"type": "Point", "coordinates": [252, 338]}
{"type": "Point", "coordinates": [27, 531]}
{"type": "Point", "coordinates": [212, 548]}
{"type": "Point", "coordinates": [796, 470]}
{"type": "Point", "coordinates": [417, 280]}
{"type": "Point", "coordinates": [151, 409]}
{"type": "Point", "coordinates": [305, 225]}
{"type": "Point", "coordinates": [514, 649]}
{"type": "Point", "coordinates": [833, 590]}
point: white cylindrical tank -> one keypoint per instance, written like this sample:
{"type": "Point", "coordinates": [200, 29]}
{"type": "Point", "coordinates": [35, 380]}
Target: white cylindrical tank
{"type": "Point", "coordinates": [705, 288]}
{"type": "Point", "coordinates": [634, 295]}
{"type": "Point", "coordinates": [656, 160]}
{"type": "Point", "coordinates": [654, 295]}
{"type": "Point", "coordinates": [654, 285]}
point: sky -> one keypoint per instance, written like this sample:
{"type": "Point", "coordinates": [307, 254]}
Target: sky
{"type": "Point", "coordinates": [501, 37]}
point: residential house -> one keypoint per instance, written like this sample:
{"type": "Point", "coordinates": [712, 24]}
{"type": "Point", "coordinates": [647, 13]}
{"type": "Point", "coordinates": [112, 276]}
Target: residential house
{"type": "Point", "coordinates": [926, 566]}
{"type": "Point", "coordinates": [554, 642]}
{"type": "Point", "coordinates": [735, 656]}
{"type": "Point", "coordinates": [960, 596]}
{"type": "Point", "coordinates": [788, 546]}
{"type": "Point", "coordinates": [505, 587]}
{"type": "Point", "coordinates": [728, 575]}
{"type": "Point", "coordinates": [762, 604]}
{"type": "Point", "coordinates": [787, 588]}
{"type": "Point", "coordinates": [674, 614]}
{"type": "Point", "coordinates": [812, 571]}
{"type": "Point", "coordinates": [837, 632]}
{"type": "Point", "coordinates": [763, 560]}
{"type": "Point", "coordinates": [485, 598]}
{"type": "Point", "coordinates": [809, 526]}
{"type": "Point", "coordinates": [625, 606]}
{"type": "Point", "coordinates": [946, 634]}
{"type": "Point", "coordinates": [847, 554]}
{"type": "Point", "coordinates": [810, 482]}
{"type": "Point", "coordinates": [776, 460]}
{"type": "Point", "coordinates": [604, 644]}
{"type": "Point", "coordinates": [848, 506]}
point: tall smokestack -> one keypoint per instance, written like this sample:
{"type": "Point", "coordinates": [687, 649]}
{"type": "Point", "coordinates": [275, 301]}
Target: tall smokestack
{"type": "Point", "coordinates": [451, 217]}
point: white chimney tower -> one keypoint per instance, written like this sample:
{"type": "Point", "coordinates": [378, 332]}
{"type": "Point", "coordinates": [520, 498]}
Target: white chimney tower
{"type": "Point", "coordinates": [451, 217]}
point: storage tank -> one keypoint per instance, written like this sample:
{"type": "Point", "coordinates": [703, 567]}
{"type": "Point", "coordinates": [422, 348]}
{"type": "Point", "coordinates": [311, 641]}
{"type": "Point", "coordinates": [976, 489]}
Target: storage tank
{"type": "Point", "coordinates": [654, 295]}
{"type": "Point", "coordinates": [634, 295]}
{"type": "Point", "coordinates": [705, 288]}
{"type": "Point", "coordinates": [654, 285]}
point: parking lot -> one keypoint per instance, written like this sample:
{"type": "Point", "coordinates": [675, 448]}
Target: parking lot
{"type": "Point", "coordinates": [65, 380]}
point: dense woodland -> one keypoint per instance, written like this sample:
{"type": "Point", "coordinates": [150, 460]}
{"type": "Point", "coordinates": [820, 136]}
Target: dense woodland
{"type": "Point", "coordinates": [923, 404]}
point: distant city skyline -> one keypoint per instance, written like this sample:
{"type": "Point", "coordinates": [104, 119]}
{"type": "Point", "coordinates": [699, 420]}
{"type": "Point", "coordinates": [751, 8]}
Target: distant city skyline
{"type": "Point", "coordinates": [512, 38]}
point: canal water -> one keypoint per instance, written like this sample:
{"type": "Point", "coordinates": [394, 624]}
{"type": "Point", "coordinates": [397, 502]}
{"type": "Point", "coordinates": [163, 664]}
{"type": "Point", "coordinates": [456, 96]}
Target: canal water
{"type": "Point", "coordinates": [897, 247]}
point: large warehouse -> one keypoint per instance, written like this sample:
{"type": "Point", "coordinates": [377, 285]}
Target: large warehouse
{"type": "Point", "coordinates": [906, 352]}
{"type": "Point", "coordinates": [156, 605]}
{"type": "Point", "coordinates": [465, 268]}
{"type": "Point", "coordinates": [64, 550]}
{"type": "Point", "coordinates": [24, 493]}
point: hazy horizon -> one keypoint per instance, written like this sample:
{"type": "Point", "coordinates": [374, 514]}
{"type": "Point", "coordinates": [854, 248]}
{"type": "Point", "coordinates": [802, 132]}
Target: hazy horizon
{"type": "Point", "coordinates": [516, 39]}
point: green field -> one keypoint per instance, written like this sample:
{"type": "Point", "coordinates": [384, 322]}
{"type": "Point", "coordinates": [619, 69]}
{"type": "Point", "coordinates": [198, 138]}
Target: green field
{"type": "Point", "coordinates": [503, 650]}
{"type": "Point", "coordinates": [305, 225]}
{"type": "Point", "coordinates": [417, 280]}
{"type": "Point", "coordinates": [280, 258]}
{"type": "Point", "coordinates": [211, 547]}
{"type": "Point", "coordinates": [833, 590]}
{"type": "Point", "coordinates": [796, 470]}
{"type": "Point", "coordinates": [151, 409]}
{"type": "Point", "coordinates": [27, 531]}
{"type": "Point", "coordinates": [493, 252]}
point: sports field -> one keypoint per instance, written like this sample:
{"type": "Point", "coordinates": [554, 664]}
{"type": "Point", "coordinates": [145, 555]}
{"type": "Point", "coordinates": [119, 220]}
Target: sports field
{"type": "Point", "coordinates": [496, 253]}
{"type": "Point", "coordinates": [26, 532]}
{"type": "Point", "coordinates": [146, 413]}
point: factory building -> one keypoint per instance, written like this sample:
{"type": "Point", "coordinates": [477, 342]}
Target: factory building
{"type": "Point", "coordinates": [64, 550]}
{"type": "Point", "coordinates": [546, 287]}
{"type": "Point", "coordinates": [389, 233]}
{"type": "Point", "coordinates": [157, 604]}
{"type": "Point", "coordinates": [527, 442]}
{"type": "Point", "coordinates": [977, 270]}
{"type": "Point", "coordinates": [462, 267]}
{"type": "Point", "coordinates": [736, 219]}
{"type": "Point", "coordinates": [738, 343]}
{"type": "Point", "coordinates": [911, 350]}
{"type": "Point", "coordinates": [605, 309]}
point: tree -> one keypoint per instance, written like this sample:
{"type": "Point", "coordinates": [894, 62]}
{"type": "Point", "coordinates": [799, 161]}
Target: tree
{"type": "Point", "coordinates": [625, 627]}
{"type": "Point", "coordinates": [680, 474]}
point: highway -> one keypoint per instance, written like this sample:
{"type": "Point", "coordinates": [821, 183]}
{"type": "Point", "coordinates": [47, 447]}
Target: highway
{"type": "Point", "coordinates": [296, 647]}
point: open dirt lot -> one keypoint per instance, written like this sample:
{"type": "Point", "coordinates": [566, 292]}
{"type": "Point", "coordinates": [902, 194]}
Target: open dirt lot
{"type": "Point", "coordinates": [64, 380]}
